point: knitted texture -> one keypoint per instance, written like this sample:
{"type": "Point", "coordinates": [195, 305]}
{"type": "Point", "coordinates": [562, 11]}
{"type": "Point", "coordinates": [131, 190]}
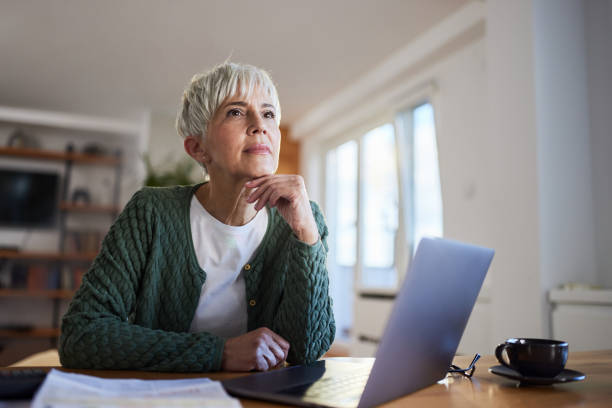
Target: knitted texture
{"type": "Point", "coordinates": [136, 303]}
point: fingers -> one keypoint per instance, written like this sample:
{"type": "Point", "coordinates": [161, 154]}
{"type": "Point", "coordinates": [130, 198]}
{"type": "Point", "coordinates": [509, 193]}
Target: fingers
{"type": "Point", "coordinates": [282, 343]}
{"type": "Point", "coordinates": [274, 197]}
{"type": "Point", "coordinates": [287, 193]}
{"type": "Point", "coordinates": [261, 364]}
{"type": "Point", "coordinates": [278, 352]}
{"type": "Point", "coordinates": [262, 186]}
{"type": "Point", "coordinates": [260, 349]}
{"type": "Point", "coordinates": [264, 197]}
{"type": "Point", "coordinates": [273, 349]}
{"type": "Point", "coordinates": [270, 189]}
{"type": "Point", "coordinates": [257, 182]}
{"type": "Point", "coordinates": [265, 359]}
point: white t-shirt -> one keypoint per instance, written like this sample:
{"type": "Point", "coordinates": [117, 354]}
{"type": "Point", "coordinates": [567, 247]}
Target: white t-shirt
{"type": "Point", "coordinates": [222, 251]}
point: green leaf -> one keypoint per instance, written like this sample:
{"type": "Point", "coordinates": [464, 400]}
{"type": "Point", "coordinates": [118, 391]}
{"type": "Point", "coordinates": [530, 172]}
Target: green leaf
{"type": "Point", "coordinates": [179, 174]}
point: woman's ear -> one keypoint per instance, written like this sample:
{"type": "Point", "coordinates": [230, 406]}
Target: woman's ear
{"type": "Point", "coordinates": [195, 148]}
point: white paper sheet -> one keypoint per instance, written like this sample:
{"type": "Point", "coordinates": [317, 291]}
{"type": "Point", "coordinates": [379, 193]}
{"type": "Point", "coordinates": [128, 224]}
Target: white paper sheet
{"type": "Point", "coordinates": [69, 390]}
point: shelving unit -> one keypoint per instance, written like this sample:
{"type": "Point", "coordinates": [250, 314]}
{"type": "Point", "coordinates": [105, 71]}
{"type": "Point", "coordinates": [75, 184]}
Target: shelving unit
{"type": "Point", "coordinates": [61, 156]}
{"type": "Point", "coordinates": [36, 306]}
{"type": "Point", "coordinates": [70, 158]}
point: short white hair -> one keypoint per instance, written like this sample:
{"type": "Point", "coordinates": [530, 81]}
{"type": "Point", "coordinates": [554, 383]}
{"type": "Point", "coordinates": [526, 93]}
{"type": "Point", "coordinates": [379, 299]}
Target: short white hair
{"type": "Point", "coordinates": [207, 91]}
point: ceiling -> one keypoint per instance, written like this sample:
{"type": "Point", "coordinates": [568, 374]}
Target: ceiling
{"type": "Point", "coordinates": [121, 58]}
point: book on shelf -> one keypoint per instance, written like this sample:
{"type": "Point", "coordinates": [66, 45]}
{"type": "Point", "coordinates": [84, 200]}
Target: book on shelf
{"type": "Point", "coordinates": [72, 276]}
{"type": "Point", "coordinates": [41, 277]}
{"type": "Point", "coordinates": [53, 277]}
{"type": "Point", "coordinates": [66, 280]}
{"type": "Point", "coordinates": [37, 277]}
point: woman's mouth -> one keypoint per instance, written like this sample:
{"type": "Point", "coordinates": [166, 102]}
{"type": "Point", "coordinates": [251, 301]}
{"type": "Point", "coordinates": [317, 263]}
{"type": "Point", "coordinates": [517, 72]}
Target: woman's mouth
{"type": "Point", "coordinates": [258, 149]}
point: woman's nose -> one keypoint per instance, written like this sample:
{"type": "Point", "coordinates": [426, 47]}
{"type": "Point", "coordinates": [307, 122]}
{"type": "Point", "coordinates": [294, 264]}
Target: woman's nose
{"type": "Point", "coordinates": [256, 126]}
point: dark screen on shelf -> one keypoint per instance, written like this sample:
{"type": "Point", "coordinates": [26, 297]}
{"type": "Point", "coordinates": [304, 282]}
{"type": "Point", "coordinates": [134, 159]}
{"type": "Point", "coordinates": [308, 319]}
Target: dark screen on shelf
{"type": "Point", "coordinates": [28, 199]}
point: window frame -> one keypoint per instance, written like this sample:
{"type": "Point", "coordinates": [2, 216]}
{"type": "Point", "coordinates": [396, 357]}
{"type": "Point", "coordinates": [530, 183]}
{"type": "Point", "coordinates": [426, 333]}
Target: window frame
{"type": "Point", "coordinates": [396, 115]}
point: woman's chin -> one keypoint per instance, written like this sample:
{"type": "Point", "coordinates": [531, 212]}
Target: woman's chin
{"type": "Point", "coordinates": [261, 172]}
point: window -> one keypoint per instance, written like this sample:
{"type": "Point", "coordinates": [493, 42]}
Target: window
{"type": "Point", "coordinates": [382, 195]}
{"type": "Point", "coordinates": [425, 196]}
{"type": "Point", "coordinates": [379, 217]}
{"type": "Point", "coordinates": [341, 210]}
{"type": "Point", "coordinates": [342, 200]}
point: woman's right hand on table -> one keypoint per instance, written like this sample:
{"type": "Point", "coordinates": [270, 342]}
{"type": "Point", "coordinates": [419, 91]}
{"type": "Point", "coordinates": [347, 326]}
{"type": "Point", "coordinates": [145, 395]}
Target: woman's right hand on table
{"type": "Point", "coordinates": [260, 350]}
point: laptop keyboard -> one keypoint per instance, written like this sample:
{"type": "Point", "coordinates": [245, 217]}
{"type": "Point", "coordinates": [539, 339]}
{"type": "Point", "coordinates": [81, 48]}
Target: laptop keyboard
{"type": "Point", "coordinates": [343, 388]}
{"type": "Point", "coordinates": [20, 383]}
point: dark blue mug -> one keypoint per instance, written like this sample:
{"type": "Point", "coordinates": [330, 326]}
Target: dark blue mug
{"type": "Point", "coordinates": [534, 357]}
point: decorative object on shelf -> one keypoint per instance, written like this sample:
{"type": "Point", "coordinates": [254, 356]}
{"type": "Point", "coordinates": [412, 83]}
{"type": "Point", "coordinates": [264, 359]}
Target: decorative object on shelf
{"type": "Point", "coordinates": [22, 139]}
{"type": "Point", "coordinates": [178, 175]}
{"type": "Point", "coordinates": [29, 198]}
{"type": "Point", "coordinates": [81, 195]}
{"type": "Point", "coordinates": [95, 149]}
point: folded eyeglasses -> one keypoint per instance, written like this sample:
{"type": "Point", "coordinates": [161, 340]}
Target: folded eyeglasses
{"type": "Point", "coordinates": [469, 371]}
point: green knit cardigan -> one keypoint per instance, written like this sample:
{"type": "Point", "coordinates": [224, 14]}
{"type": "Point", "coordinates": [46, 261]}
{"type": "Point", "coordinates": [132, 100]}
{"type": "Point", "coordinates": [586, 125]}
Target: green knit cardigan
{"type": "Point", "coordinates": [136, 303]}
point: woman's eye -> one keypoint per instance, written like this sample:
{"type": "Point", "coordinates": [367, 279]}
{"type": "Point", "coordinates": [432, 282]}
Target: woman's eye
{"type": "Point", "coordinates": [234, 112]}
{"type": "Point", "coordinates": [269, 115]}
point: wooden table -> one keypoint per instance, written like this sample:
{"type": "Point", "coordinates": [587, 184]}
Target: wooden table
{"type": "Point", "coordinates": [482, 390]}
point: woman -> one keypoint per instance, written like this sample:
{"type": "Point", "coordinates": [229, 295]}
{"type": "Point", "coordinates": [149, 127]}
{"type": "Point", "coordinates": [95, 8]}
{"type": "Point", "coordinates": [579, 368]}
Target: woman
{"type": "Point", "coordinates": [225, 275]}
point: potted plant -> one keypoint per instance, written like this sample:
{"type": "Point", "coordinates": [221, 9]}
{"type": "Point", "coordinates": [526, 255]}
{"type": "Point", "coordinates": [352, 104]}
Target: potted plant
{"type": "Point", "coordinates": [181, 173]}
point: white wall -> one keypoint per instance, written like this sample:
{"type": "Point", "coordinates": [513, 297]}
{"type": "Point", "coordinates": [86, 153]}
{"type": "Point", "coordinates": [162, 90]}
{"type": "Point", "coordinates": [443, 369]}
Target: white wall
{"type": "Point", "coordinates": [463, 143]}
{"type": "Point", "coordinates": [512, 131]}
{"type": "Point", "coordinates": [165, 145]}
{"type": "Point", "coordinates": [598, 30]}
{"type": "Point", "coordinates": [567, 239]}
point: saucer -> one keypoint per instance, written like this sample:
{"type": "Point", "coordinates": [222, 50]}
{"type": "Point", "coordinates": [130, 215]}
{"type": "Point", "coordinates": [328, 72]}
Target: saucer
{"type": "Point", "coordinates": [563, 377]}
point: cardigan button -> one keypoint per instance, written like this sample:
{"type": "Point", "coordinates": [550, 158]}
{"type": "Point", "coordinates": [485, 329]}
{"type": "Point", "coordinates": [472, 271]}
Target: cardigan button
{"type": "Point", "coordinates": [247, 267]}
{"type": "Point", "coordinates": [252, 302]}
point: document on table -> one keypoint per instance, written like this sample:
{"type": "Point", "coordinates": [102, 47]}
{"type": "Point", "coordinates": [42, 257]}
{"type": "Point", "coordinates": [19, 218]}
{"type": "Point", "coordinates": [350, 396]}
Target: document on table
{"type": "Point", "coordinates": [62, 389]}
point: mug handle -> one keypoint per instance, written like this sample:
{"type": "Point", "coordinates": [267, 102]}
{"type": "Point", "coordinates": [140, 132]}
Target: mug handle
{"type": "Point", "coordinates": [498, 353]}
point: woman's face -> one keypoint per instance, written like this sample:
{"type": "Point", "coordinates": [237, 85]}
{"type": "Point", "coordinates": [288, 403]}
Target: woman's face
{"type": "Point", "coordinates": [243, 139]}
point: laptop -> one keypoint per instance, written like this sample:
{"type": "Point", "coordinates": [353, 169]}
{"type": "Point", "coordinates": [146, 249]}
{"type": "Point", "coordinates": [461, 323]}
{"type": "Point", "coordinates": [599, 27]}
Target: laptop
{"type": "Point", "coordinates": [416, 350]}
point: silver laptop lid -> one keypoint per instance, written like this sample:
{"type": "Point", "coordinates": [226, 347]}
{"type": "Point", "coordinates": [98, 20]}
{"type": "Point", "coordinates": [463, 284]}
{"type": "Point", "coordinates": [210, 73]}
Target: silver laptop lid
{"type": "Point", "coordinates": [428, 318]}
